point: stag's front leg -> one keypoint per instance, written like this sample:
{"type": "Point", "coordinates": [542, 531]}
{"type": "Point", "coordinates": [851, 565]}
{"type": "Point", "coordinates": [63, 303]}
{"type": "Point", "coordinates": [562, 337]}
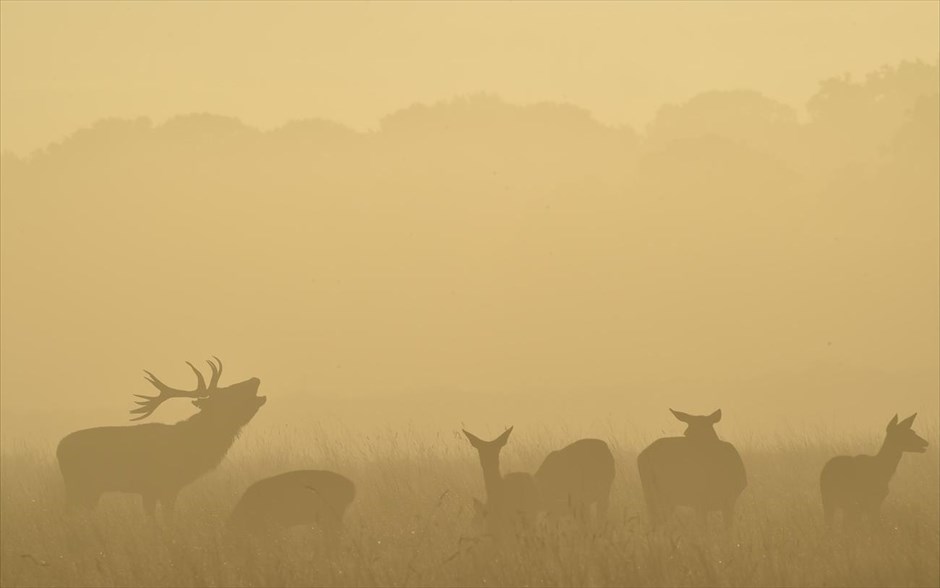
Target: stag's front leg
{"type": "Point", "coordinates": [874, 517]}
{"type": "Point", "coordinates": [168, 505]}
{"type": "Point", "coordinates": [150, 505]}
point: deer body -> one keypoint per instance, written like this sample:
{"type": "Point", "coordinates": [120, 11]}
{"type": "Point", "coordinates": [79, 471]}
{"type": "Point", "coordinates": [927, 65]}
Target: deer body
{"type": "Point", "coordinates": [156, 460]}
{"type": "Point", "coordinates": [512, 501]}
{"type": "Point", "coordinates": [698, 471]}
{"type": "Point", "coordinates": [303, 497]}
{"type": "Point", "coordinates": [573, 478]}
{"type": "Point", "coordinates": [858, 485]}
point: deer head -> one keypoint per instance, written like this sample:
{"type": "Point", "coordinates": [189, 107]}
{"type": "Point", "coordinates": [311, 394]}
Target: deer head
{"type": "Point", "coordinates": [241, 397]}
{"type": "Point", "coordinates": [699, 427]}
{"type": "Point", "coordinates": [489, 450]}
{"type": "Point", "coordinates": [903, 438]}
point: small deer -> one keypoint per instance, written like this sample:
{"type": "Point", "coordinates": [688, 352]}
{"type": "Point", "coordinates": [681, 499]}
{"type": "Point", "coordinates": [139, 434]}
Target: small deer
{"type": "Point", "coordinates": [157, 460]}
{"type": "Point", "coordinates": [573, 478]}
{"type": "Point", "coordinates": [512, 501]}
{"type": "Point", "coordinates": [304, 497]}
{"type": "Point", "coordinates": [859, 484]}
{"type": "Point", "coordinates": [697, 470]}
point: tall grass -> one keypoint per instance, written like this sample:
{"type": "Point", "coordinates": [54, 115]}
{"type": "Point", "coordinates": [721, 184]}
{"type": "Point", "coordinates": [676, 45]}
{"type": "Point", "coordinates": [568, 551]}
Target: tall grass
{"type": "Point", "coordinates": [410, 524]}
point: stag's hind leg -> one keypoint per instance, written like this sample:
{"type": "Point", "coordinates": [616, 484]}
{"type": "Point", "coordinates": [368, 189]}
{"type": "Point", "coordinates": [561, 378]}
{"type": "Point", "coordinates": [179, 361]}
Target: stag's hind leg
{"type": "Point", "coordinates": [168, 506]}
{"type": "Point", "coordinates": [727, 515]}
{"type": "Point", "coordinates": [80, 499]}
{"type": "Point", "coordinates": [149, 502]}
{"type": "Point", "coordinates": [603, 506]}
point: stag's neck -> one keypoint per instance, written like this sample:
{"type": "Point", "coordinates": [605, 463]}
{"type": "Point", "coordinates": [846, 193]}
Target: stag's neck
{"type": "Point", "coordinates": [887, 460]}
{"type": "Point", "coordinates": [210, 433]}
{"type": "Point", "coordinates": [492, 479]}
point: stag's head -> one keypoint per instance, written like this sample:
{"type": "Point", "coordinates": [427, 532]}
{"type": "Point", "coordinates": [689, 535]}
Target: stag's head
{"type": "Point", "coordinates": [235, 403]}
{"type": "Point", "coordinates": [699, 427]}
{"type": "Point", "coordinates": [903, 438]}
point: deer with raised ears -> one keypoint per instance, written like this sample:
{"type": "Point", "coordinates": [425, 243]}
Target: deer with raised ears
{"type": "Point", "coordinates": [512, 501]}
{"type": "Point", "coordinates": [157, 460]}
{"type": "Point", "coordinates": [574, 477]}
{"type": "Point", "coordinates": [858, 484]}
{"type": "Point", "coordinates": [697, 470]}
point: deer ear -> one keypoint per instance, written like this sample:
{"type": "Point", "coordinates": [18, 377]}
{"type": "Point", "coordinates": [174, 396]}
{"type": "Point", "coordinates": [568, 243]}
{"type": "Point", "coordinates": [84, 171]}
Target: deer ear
{"type": "Point", "coordinates": [681, 415]}
{"type": "Point", "coordinates": [906, 423]}
{"type": "Point", "coordinates": [474, 440]}
{"type": "Point", "coordinates": [502, 439]}
{"type": "Point", "coordinates": [893, 423]}
{"type": "Point", "coordinates": [715, 416]}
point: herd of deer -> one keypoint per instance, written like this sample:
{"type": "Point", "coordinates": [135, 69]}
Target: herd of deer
{"type": "Point", "coordinates": [697, 470]}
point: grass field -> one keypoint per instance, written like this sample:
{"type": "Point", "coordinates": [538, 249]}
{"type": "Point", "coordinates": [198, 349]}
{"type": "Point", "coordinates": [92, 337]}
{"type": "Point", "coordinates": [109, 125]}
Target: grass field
{"type": "Point", "coordinates": [410, 524]}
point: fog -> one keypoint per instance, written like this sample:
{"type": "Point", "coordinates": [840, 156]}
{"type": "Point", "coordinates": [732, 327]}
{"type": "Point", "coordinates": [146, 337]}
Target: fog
{"type": "Point", "coordinates": [479, 257]}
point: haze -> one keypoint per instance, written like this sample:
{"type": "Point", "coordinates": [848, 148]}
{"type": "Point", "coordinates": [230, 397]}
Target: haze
{"type": "Point", "coordinates": [486, 213]}
{"type": "Point", "coordinates": [66, 65]}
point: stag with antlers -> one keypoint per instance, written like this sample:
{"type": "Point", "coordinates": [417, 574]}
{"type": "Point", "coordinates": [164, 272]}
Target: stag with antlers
{"type": "Point", "coordinates": [157, 460]}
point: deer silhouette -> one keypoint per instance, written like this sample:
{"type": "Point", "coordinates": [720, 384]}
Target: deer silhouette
{"type": "Point", "coordinates": [573, 478]}
{"type": "Point", "coordinates": [157, 460]}
{"type": "Point", "coordinates": [304, 497]}
{"type": "Point", "coordinates": [512, 501]}
{"type": "Point", "coordinates": [697, 470]}
{"type": "Point", "coordinates": [859, 484]}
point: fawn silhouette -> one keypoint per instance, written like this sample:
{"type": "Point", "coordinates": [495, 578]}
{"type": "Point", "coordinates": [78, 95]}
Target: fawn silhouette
{"type": "Point", "coordinates": [512, 501]}
{"type": "Point", "coordinates": [157, 460]}
{"type": "Point", "coordinates": [573, 478]}
{"type": "Point", "coordinates": [303, 497]}
{"type": "Point", "coordinates": [859, 484]}
{"type": "Point", "coordinates": [698, 470]}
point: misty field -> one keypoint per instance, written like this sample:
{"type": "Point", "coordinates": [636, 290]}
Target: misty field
{"type": "Point", "coordinates": [411, 523]}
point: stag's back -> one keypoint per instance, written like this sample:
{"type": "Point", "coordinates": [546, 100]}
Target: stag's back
{"type": "Point", "coordinates": [679, 471]}
{"type": "Point", "coordinates": [578, 474]}
{"type": "Point", "coordinates": [303, 497]}
{"type": "Point", "coordinates": [128, 459]}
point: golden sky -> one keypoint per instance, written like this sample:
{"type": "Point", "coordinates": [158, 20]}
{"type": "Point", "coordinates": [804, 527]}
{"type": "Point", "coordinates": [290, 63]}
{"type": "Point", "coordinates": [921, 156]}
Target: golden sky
{"type": "Point", "coordinates": [731, 256]}
{"type": "Point", "coordinates": [67, 64]}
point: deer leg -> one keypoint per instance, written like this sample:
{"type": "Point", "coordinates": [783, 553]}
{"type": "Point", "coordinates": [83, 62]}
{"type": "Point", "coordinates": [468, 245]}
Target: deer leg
{"type": "Point", "coordinates": [874, 516]}
{"type": "Point", "coordinates": [603, 505]}
{"type": "Point", "coordinates": [81, 500]}
{"type": "Point", "coordinates": [657, 515]}
{"type": "Point", "coordinates": [656, 511]}
{"type": "Point", "coordinates": [168, 506]}
{"type": "Point", "coordinates": [851, 517]}
{"type": "Point", "coordinates": [701, 517]}
{"type": "Point", "coordinates": [727, 516]}
{"type": "Point", "coordinates": [331, 527]}
{"type": "Point", "coordinates": [150, 505]}
{"type": "Point", "coordinates": [829, 509]}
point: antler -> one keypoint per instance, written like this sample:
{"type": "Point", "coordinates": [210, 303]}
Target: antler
{"type": "Point", "coordinates": [216, 373]}
{"type": "Point", "coordinates": [148, 404]}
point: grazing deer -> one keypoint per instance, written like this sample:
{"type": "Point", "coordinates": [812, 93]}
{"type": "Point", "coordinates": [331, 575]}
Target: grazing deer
{"type": "Point", "coordinates": [859, 484]}
{"type": "Point", "coordinates": [156, 460]}
{"type": "Point", "coordinates": [698, 470]}
{"type": "Point", "coordinates": [512, 501]}
{"type": "Point", "coordinates": [573, 478]}
{"type": "Point", "coordinates": [303, 497]}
